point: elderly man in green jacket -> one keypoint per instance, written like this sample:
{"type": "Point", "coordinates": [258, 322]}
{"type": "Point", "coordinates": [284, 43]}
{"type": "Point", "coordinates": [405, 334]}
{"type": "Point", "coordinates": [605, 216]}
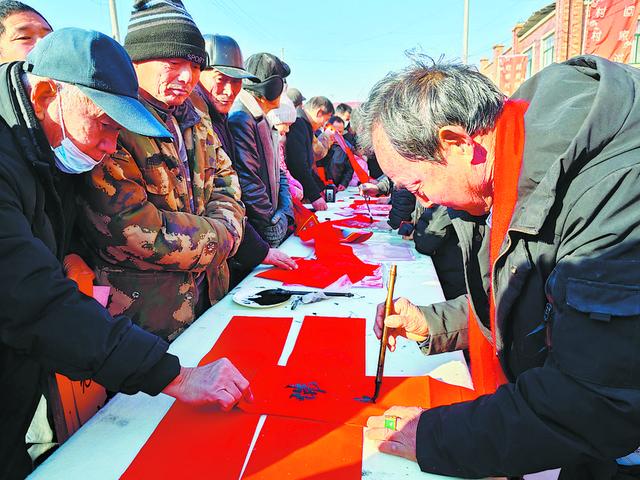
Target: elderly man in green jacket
{"type": "Point", "coordinates": [554, 285]}
{"type": "Point", "coordinates": [161, 218]}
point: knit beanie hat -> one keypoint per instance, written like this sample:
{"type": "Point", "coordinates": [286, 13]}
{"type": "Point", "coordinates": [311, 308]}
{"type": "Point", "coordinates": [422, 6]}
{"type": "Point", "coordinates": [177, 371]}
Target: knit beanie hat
{"type": "Point", "coordinates": [285, 113]}
{"type": "Point", "coordinates": [163, 29]}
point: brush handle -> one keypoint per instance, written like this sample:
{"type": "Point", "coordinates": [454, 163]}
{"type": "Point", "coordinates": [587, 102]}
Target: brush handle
{"type": "Point", "coordinates": [384, 339]}
{"type": "Point", "coordinates": [303, 292]}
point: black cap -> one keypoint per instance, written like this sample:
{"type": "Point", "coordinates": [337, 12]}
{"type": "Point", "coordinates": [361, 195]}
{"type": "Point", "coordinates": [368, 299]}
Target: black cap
{"type": "Point", "coordinates": [295, 96]}
{"type": "Point", "coordinates": [101, 69]}
{"type": "Point", "coordinates": [265, 65]}
{"type": "Point", "coordinates": [163, 29]}
{"type": "Point", "coordinates": [225, 56]}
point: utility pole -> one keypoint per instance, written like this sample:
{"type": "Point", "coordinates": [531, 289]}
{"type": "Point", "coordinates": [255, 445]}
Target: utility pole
{"type": "Point", "coordinates": [465, 33]}
{"type": "Point", "coordinates": [115, 31]}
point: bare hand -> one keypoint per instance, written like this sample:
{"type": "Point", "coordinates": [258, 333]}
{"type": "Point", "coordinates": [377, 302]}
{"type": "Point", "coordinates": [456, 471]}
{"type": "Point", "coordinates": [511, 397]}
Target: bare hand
{"type": "Point", "coordinates": [406, 321]}
{"type": "Point", "coordinates": [320, 204]}
{"type": "Point", "coordinates": [280, 259]}
{"type": "Point", "coordinates": [369, 189]}
{"type": "Point", "coordinates": [341, 188]}
{"type": "Point", "coordinates": [218, 384]}
{"type": "Point", "coordinates": [402, 441]}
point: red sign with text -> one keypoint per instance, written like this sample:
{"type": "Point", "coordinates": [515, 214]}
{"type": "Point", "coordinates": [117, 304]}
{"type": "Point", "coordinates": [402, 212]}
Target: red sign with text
{"type": "Point", "coordinates": [611, 26]}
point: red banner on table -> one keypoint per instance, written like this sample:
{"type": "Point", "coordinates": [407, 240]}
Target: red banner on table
{"type": "Point", "coordinates": [611, 25]}
{"type": "Point", "coordinates": [512, 70]}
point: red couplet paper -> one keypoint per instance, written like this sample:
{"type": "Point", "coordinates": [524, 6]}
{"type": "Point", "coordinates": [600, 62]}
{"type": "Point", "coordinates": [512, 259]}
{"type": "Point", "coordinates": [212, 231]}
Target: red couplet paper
{"type": "Point", "coordinates": [331, 352]}
{"type": "Point", "coordinates": [322, 272]}
{"type": "Point", "coordinates": [193, 442]}
{"type": "Point", "coordinates": [273, 389]}
{"type": "Point", "coordinates": [313, 450]}
{"type": "Point", "coordinates": [357, 221]}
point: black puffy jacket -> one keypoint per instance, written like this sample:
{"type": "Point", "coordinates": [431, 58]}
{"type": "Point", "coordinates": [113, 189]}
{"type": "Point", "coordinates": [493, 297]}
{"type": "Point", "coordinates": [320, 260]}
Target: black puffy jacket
{"type": "Point", "coordinates": [265, 189]}
{"type": "Point", "coordinates": [46, 324]}
{"type": "Point", "coordinates": [435, 236]}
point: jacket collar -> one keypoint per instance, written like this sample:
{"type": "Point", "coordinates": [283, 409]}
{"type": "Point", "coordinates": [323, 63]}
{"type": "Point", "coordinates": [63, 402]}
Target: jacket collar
{"type": "Point", "coordinates": [302, 113]}
{"type": "Point", "coordinates": [586, 121]}
{"type": "Point", "coordinates": [17, 112]}
{"type": "Point", "coordinates": [250, 103]}
{"type": "Point", "coordinates": [185, 114]}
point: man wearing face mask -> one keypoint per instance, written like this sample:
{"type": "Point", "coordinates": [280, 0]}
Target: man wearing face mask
{"type": "Point", "coordinates": [161, 218]}
{"type": "Point", "coordinates": [219, 86]}
{"type": "Point", "coordinates": [265, 189]}
{"type": "Point", "coordinates": [62, 111]}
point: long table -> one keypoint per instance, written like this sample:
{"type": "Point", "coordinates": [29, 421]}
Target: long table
{"type": "Point", "coordinates": [107, 444]}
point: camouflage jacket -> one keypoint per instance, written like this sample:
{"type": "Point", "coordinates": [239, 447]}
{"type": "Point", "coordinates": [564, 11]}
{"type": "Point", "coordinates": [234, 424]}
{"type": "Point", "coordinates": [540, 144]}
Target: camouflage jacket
{"type": "Point", "coordinates": [146, 240]}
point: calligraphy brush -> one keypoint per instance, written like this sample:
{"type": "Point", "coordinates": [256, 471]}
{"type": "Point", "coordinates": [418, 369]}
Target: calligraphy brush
{"type": "Point", "coordinates": [384, 339]}
{"type": "Point", "coordinates": [366, 202]}
{"type": "Point", "coordinates": [274, 296]}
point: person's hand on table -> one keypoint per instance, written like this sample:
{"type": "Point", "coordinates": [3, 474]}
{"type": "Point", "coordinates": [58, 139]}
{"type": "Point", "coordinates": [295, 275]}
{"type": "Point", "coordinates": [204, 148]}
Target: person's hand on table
{"type": "Point", "coordinates": [218, 384]}
{"type": "Point", "coordinates": [319, 204]}
{"type": "Point", "coordinates": [402, 440]}
{"type": "Point", "coordinates": [406, 320]}
{"type": "Point", "coordinates": [279, 259]}
{"type": "Point", "coordinates": [369, 189]}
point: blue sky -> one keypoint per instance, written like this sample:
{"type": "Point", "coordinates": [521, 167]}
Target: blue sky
{"type": "Point", "coordinates": [335, 48]}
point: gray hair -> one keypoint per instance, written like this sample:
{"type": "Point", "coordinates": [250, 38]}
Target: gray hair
{"type": "Point", "coordinates": [413, 104]}
{"type": "Point", "coordinates": [320, 102]}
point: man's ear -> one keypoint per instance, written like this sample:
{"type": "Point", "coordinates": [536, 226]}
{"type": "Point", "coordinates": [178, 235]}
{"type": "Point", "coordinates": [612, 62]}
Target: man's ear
{"type": "Point", "coordinates": [42, 93]}
{"type": "Point", "coordinates": [454, 137]}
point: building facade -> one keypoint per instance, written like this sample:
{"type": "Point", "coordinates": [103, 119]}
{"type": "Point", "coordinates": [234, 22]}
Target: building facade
{"type": "Point", "coordinates": [554, 33]}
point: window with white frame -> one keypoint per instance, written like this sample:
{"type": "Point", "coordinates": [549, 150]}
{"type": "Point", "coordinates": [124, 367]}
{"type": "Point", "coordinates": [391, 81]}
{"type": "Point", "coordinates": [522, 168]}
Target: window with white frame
{"type": "Point", "coordinates": [529, 54]}
{"type": "Point", "coordinates": [548, 50]}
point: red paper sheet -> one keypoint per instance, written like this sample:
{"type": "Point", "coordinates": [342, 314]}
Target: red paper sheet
{"type": "Point", "coordinates": [339, 404]}
{"type": "Point", "coordinates": [331, 352]}
{"type": "Point", "coordinates": [321, 273]}
{"type": "Point", "coordinates": [357, 221]}
{"type": "Point", "coordinates": [198, 443]}
{"type": "Point", "coordinates": [193, 442]}
{"type": "Point", "coordinates": [312, 451]}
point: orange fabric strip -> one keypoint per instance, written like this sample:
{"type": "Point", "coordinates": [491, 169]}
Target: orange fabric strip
{"type": "Point", "coordinates": [486, 371]}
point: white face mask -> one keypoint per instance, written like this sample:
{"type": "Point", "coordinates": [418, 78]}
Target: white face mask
{"type": "Point", "coordinates": [69, 158]}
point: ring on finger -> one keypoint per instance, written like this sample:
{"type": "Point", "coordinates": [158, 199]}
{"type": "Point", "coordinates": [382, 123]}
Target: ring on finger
{"type": "Point", "coordinates": [390, 422]}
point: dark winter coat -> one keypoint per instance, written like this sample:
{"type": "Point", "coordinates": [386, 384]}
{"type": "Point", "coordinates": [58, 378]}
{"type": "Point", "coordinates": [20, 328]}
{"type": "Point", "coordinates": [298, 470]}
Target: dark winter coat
{"type": "Point", "coordinates": [299, 157]}
{"type": "Point", "coordinates": [265, 189]}
{"type": "Point", "coordinates": [566, 291]}
{"type": "Point", "coordinates": [337, 166]}
{"type": "Point", "coordinates": [253, 248]}
{"type": "Point", "coordinates": [46, 324]}
{"type": "Point", "coordinates": [435, 236]}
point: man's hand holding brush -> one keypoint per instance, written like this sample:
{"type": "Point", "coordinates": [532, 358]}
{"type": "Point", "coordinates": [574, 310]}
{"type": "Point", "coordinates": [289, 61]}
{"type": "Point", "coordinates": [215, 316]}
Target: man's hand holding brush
{"type": "Point", "coordinates": [406, 321]}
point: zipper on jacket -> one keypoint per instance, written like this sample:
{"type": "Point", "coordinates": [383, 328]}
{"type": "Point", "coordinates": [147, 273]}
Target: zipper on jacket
{"type": "Point", "coordinates": [548, 322]}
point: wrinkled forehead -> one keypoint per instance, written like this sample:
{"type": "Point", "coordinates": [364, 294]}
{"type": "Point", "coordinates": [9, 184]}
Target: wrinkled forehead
{"type": "Point", "coordinates": [75, 100]}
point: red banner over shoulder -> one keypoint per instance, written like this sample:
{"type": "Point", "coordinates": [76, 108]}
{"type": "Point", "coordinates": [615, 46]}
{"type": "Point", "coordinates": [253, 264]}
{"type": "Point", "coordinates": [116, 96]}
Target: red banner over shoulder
{"type": "Point", "coordinates": [611, 25]}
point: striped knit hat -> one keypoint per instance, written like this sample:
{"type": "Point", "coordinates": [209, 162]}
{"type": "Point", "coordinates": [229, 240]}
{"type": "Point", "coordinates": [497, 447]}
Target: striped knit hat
{"type": "Point", "coordinates": [163, 29]}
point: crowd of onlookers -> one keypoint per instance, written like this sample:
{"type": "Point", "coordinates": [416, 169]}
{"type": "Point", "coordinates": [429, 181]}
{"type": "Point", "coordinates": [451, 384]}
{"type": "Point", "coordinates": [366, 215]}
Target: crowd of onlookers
{"type": "Point", "coordinates": [169, 167]}
{"type": "Point", "coordinates": [171, 224]}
